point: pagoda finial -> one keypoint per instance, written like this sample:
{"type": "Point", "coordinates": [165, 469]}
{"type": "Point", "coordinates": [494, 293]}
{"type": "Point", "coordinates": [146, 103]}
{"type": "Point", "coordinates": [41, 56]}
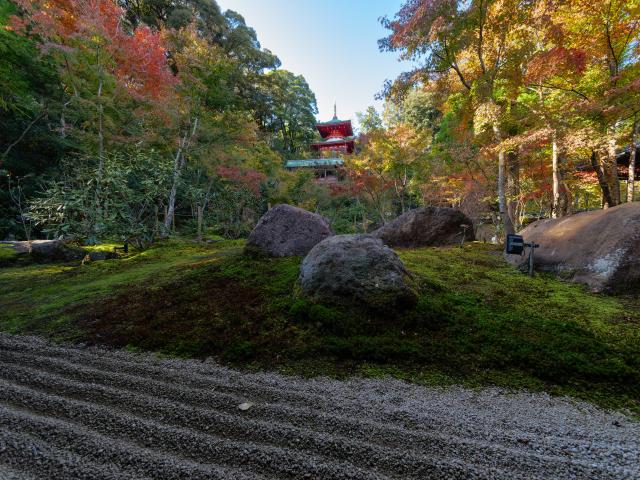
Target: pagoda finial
{"type": "Point", "coordinates": [335, 111]}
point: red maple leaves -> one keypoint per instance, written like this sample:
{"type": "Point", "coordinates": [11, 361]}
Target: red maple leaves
{"type": "Point", "coordinates": [247, 177]}
{"type": "Point", "coordinates": [558, 61]}
{"type": "Point", "coordinates": [137, 59]}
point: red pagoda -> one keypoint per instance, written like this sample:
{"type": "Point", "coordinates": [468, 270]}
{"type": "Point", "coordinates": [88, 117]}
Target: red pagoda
{"type": "Point", "coordinates": [337, 138]}
{"type": "Point", "coordinates": [337, 135]}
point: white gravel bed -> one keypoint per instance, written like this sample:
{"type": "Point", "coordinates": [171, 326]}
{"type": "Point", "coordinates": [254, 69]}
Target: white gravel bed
{"type": "Point", "coordinates": [71, 412]}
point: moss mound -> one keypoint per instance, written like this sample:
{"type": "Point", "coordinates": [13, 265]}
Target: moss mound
{"type": "Point", "coordinates": [477, 321]}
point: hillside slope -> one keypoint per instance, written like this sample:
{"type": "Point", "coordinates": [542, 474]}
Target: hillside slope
{"type": "Point", "coordinates": [478, 321]}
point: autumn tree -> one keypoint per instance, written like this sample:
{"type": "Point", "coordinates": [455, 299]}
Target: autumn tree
{"type": "Point", "coordinates": [587, 68]}
{"type": "Point", "coordinates": [388, 168]}
{"type": "Point", "coordinates": [473, 47]}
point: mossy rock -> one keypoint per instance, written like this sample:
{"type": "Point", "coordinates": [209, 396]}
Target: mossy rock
{"type": "Point", "coordinates": [356, 270]}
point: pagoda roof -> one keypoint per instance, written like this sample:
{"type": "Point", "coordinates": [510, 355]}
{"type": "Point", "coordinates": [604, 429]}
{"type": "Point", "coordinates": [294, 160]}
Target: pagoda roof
{"type": "Point", "coordinates": [335, 127]}
{"type": "Point", "coordinates": [336, 140]}
{"type": "Point", "coordinates": [315, 162]}
{"type": "Point", "coordinates": [333, 121]}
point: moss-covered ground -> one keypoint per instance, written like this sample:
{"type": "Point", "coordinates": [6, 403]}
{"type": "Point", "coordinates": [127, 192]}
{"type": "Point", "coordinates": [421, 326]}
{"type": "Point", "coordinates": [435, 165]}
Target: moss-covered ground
{"type": "Point", "coordinates": [7, 254]}
{"type": "Point", "coordinates": [478, 321]}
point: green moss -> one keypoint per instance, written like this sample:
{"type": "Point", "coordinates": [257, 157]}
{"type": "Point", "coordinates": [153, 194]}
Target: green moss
{"type": "Point", "coordinates": [477, 321]}
{"type": "Point", "coordinates": [108, 247]}
{"type": "Point", "coordinates": [7, 253]}
{"type": "Point", "coordinates": [6, 250]}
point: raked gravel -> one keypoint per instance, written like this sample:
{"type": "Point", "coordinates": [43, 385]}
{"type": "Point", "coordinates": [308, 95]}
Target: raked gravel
{"type": "Point", "coordinates": [91, 413]}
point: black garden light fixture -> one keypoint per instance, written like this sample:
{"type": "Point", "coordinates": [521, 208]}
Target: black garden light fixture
{"type": "Point", "coordinates": [515, 245]}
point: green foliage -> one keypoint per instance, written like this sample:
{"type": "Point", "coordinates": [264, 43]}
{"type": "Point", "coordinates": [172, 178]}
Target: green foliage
{"type": "Point", "coordinates": [29, 103]}
{"type": "Point", "coordinates": [233, 210]}
{"type": "Point", "coordinates": [25, 76]}
{"type": "Point", "coordinates": [287, 111]}
{"type": "Point", "coordinates": [99, 134]}
{"type": "Point", "coordinates": [347, 215]}
{"type": "Point", "coordinates": [369, 120]}
{"type": "Point", "coordinates": [133, 185]}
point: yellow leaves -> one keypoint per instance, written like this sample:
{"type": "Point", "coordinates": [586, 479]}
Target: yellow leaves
{"type": "Point", "coordinates": [485, 116]}
{"type": "Point", "coordinates": [390, 152]}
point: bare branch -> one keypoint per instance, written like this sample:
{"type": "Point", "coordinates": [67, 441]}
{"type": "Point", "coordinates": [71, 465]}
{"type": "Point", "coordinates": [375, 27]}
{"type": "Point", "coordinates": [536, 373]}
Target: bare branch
{"type": "Point", "coordinates": [5, 154]}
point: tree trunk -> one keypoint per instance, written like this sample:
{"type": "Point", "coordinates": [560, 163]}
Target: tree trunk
{"type": "Point", "coordinates": [157, 222]}
{"type": "Point", "coordinates": [632, 161]}
{"type": "Point", "coordinates": [96, 213]}
{"type": "Point", "coordinates": [178, 163]}
{"type": "Point", "coordinates": [561, 202]}
{"type": "Point", "coordinates": [502, 200]}
{"type": "Point", "coordinates": [513, 187]}
{"type": "Point", "coordinates": [555, 207]}
{"type": "Point", "coordinates": [200, 215]}
{"type": "Point", "coordinates": [604, 186]}
{"type": "Point", "coordinates": [98, 193]}
{"type": "Point", "coordinates": [612, 169]}
{"type": "Point", "coordinates": [171, 204]}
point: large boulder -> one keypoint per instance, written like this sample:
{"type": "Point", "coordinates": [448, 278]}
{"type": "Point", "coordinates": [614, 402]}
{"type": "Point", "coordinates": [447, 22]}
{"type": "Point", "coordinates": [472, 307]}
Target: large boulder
{"type": "Point", "coordinates": [47, 250]}
{"type": "Point", "coordinates": [429, 226]}
{"type": "Point", "coordinates": [355, 270]}
{"type": "Point", "coordinates": [600, 248]}
{"type": "Point", "coordinates": [286, 231]}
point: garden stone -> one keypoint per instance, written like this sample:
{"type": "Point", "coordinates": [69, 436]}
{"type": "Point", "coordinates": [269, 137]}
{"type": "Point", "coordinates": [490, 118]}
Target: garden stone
{"type": "Point", "coordinates": [102, 255]}
{"type": "Point", "coordinates": [597, 248]}
{"type": "Point", "coordinates": [286, 230]}
{"type": "Point", "coordinates": [48, 250]}
{"type": "Point", "coordinates": [356, 270]}
{"type": "Point", "coordinates": [428, 226]}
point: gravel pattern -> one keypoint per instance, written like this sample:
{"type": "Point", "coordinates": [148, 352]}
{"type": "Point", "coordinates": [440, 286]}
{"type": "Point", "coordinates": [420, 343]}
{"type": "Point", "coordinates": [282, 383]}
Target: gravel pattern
{"type": "Point", "coordinates": [68, 412]}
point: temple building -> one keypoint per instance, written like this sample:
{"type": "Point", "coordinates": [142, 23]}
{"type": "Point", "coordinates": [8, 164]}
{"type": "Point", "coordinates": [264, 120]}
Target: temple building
{"type": "Point", "coordinates": [336, 138]}
{"type": "Point", "coordinates": [337, 135]}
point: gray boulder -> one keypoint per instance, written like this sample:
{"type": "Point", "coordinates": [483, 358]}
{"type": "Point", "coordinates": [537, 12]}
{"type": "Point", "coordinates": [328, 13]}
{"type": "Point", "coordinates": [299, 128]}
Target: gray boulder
{"type": "Point", "coordinates": [600, 248]}
{"type": "Point", "coordinates": [428, 226]}
{"type": "Point", "coordinates": [47, 250]}
{"type": "Point", "coordinates": [100, 255]}
{"type": "Point", "coordinates": [286, 230]}
{"type": "Point", "coordinates": [355, 270]}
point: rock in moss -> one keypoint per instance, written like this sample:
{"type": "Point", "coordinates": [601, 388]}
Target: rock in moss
{"type": "Point", "coordinates": [429, 226]}
{"type": "Point", "coordinates": [356, 270]}
{"type": "Point", "coordinates": [46, 250]}
{"type": "Point", "coordinates": [598, 248]}
{"type": "Point", "coordinates": [286, 231]}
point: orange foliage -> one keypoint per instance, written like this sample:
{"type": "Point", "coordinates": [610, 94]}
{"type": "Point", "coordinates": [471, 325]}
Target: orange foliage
{"type": "Point", "coordinates": [250, 178]}
{"type": "Point", "coordinates": [558, 61]}
{"type": "Point", "coordinates": [138, 60]}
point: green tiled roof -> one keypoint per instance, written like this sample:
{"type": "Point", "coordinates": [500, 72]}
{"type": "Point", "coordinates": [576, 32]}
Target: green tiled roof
{"type": "Point", "coordinates": [315, 162]}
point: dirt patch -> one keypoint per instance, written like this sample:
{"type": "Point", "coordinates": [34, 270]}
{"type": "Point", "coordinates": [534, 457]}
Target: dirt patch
{"type": "Point", "coordinates": [204, 315]}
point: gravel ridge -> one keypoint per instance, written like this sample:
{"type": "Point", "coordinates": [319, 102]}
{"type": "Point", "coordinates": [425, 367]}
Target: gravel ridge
{"type": "Point", "coordinates": [73, 412]}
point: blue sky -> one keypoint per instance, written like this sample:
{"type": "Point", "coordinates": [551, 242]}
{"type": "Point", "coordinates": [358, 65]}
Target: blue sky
{"type": "Point", "coordinates": [332, 43]}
